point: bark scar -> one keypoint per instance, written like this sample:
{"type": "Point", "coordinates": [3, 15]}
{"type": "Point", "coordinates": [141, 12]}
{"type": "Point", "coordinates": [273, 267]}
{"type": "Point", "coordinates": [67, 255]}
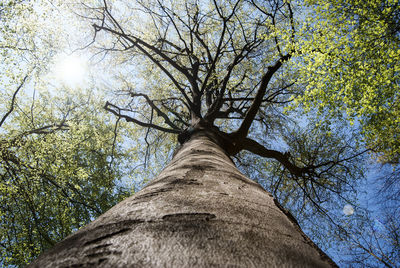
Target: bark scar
{"type": "Point", "coordinates": [110, 230]}
{"type": "Point", "coordinates": [189, 217]}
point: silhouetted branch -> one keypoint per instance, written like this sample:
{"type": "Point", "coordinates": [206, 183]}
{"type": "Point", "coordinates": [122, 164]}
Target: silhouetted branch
{"type": "Point", "coordinates": [141, 45]}
{"type": "Point", "coordinates": [255, 106]}
{"type": "Point", "coordinates": [13, 100]}
{"type": "Point", "coordinates": [256, 148]}
{"type": "Point", "coordinates": [117, 111]}
{"type": "Point", "coordinates": [158, 111]}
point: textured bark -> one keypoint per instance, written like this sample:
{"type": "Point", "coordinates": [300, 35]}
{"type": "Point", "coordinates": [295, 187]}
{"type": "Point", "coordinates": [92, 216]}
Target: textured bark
{"type": "Point", "coordinates": [199, 212]}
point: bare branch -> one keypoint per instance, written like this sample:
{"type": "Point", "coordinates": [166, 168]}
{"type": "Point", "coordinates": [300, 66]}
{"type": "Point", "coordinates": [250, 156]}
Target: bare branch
{"type": "Point", "coordinates": [117, 111]}
{"type": "Point", "coordinates": [140, 44]}
{"type": "Point", "coordinates": [255, 106]}
{"type": "Point", "coordinates": [283, 158]}
{"type": "Point", "coordinates": [154, 107]}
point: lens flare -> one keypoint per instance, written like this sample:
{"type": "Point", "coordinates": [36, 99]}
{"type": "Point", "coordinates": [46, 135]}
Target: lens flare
{"type": "Point", "coordinates": [348, 210]}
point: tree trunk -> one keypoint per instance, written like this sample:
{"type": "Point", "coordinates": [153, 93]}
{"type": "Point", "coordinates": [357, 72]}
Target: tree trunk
{"type": "Point", "coordinates": [199, 212]}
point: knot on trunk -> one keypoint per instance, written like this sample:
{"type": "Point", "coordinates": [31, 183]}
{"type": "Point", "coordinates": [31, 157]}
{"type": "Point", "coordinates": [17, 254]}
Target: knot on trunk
{"type": "Point", "coordinates": [185, 135]}
{"type": "Point", "coordinates": [199, 125]}
{"type": "Point", "coordinates": [227, 142]}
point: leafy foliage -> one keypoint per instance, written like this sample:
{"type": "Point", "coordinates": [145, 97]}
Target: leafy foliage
{"type": "Point", "coordinates": [61, 160]}
{"type": "Point", "coordinates": [349, 58]}
{"type": "Point", "coordinates": [57, 176]}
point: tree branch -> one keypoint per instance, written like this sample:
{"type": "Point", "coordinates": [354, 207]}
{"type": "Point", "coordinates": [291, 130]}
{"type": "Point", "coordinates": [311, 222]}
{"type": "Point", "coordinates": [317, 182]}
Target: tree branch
{"type": "Point", "coordinates": [13, 100]}
{"type": "Point", "coordinates": [255, 106]}
{"type": "Point", "coordinates": [283, 158]}
{"type": "Point", "coordinates": [117, 112]}
{"type": "Point", "coordinates": [139, 43]}
{"type": "Point", "coordinates": [153, 106]}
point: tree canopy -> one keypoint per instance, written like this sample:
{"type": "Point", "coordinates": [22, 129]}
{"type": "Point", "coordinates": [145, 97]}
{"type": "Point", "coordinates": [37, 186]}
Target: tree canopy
{"type": "Point", "coordinates": [349, 53]}
{"type": "Point", "coordinates": [301, 90]}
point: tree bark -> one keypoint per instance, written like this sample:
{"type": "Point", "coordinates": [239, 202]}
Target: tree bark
{"type": "Point", "coordinates": [199, 212]}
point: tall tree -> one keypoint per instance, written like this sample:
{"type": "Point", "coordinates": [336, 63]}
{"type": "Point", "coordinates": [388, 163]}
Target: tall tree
{"type": "Point", "coordinates": [213, 73]}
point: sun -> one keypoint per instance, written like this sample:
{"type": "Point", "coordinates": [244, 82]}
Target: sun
{"type": "Point", "coordinates": [71, 70]}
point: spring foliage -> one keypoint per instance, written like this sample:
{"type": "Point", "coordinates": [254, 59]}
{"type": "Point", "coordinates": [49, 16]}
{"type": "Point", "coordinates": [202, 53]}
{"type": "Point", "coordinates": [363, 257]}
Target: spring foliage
{"type": "Point", "coordinates": [61, 162]}
{"type": "Point", "coordinates": [349, 61]}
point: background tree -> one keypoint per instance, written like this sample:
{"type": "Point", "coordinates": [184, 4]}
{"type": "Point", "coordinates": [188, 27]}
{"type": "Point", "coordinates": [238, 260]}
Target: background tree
{"type": "Point", "coordinates": [57, 177]}
{"type": "Point", "coordinates": [61, 159]}
{"type": "Point", "coordinates": [372, 239]}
